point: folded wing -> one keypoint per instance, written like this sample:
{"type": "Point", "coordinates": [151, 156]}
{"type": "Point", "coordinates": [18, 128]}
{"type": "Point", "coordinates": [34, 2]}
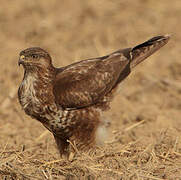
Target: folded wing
{"type": "Point", "coordinates": [86, 82]}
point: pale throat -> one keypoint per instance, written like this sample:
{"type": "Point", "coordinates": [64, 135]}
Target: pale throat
{"type": "Point", "coordinates": [35, 88]}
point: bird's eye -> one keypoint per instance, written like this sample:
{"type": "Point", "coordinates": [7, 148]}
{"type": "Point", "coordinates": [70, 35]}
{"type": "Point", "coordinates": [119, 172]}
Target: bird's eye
{"type": "Point", "coordinates": [34, 56]}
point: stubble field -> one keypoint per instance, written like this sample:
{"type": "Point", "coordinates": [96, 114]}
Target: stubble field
{"type": "Point", "coordinates": [145, 140]}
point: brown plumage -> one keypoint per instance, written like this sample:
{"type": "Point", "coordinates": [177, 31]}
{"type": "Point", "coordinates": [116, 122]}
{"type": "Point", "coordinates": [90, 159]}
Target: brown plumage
{"type": "Point", "coordinates": [68, 101]}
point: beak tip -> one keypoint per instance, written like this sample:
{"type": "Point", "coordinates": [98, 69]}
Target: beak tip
{"type": "Point", "coordinates": [19, 63]}
{"type": "Point", "coordinates": [21, 60]}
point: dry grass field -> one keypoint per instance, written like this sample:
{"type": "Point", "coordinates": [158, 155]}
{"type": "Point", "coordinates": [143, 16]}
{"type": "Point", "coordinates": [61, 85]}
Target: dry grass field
{"type": "Point", "coordinates": [145, 140]}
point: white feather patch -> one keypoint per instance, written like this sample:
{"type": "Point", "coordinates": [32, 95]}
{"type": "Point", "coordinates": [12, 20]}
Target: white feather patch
{"type": "Point", "coordinates": [102, 133]}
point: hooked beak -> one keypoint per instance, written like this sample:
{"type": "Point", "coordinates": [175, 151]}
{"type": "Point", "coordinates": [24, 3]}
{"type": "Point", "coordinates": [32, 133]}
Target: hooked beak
{"type": "Point", "coordinates": [21, 60]}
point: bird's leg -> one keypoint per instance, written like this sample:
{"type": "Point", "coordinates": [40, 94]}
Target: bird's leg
{"type": "Point", "coordinates": [62, 146]}
{"type": "Point", "coordinates": [84, 135]}
{"type": "Point", "coordinates": [84, 138]}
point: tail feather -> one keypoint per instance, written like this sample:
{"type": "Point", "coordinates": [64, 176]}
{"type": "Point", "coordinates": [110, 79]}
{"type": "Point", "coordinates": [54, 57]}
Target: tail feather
{"type": "Point", "coordinates": [142, 51]}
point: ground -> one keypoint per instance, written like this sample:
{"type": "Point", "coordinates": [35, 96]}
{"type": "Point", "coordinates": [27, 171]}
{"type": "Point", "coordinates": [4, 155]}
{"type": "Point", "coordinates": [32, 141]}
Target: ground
{"type": "Point", "coordinates": [146, 114]}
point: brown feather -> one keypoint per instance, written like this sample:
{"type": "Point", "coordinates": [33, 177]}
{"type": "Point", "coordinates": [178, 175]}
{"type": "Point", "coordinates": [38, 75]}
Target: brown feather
{"type": "Point", "coordinates": [87, 82]}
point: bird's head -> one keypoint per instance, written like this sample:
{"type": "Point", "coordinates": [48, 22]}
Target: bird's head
{"type": "Point", "coordinates": [34, 57]}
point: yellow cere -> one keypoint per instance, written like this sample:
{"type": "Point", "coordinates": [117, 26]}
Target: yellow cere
{"type": "Point", "coordinates": [22, 57]}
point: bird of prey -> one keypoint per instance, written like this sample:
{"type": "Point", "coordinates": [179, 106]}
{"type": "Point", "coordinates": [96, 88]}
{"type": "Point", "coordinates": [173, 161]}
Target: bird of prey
{"type": "Point", "coordinates": [69, 100]}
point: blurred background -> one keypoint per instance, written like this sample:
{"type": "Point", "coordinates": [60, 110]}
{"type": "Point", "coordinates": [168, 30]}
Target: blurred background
{"type": "Point", "coordinates": [74, 30]}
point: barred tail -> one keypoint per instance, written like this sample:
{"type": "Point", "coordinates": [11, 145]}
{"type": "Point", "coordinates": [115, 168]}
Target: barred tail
{"type": "Point", "coordinates": [142, 51]}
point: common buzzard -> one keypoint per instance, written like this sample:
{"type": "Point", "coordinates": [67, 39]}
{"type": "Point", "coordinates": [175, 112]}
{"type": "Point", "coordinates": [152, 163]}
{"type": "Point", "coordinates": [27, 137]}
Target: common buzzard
{"type": "Point", "coordinates": [68, 101]}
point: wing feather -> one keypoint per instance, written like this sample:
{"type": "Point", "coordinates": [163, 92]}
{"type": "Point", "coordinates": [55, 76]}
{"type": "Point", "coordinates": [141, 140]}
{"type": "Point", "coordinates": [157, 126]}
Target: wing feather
{"type": "Point", "coordinates": [86, 82]}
